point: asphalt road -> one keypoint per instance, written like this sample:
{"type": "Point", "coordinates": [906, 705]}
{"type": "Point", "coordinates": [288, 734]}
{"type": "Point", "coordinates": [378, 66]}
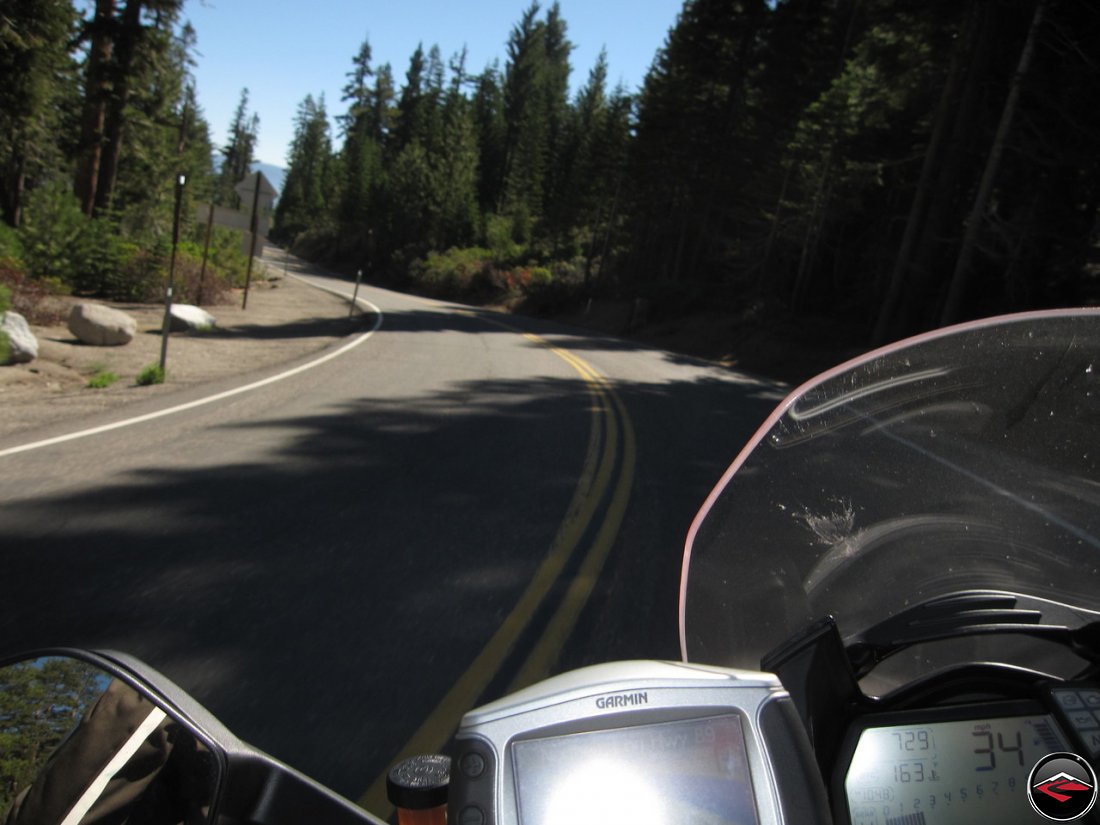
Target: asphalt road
{"type": "Point", "coordinates": [338, 563]}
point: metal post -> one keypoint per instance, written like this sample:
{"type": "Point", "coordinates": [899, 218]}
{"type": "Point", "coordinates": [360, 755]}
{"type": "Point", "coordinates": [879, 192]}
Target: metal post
{"type": "Point", "coordinates": [206, 250]}
{"type": "Point", "coordinates": [180, 181]}
{"type": "Point", "coordinates": [252, 247]}
{"type": "Point", "coordinates": [355, 295]}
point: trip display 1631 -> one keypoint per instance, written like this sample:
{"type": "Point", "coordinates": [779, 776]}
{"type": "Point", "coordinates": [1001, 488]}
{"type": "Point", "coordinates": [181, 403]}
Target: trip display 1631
{"type": "Point", "coordinates": [957, 772]}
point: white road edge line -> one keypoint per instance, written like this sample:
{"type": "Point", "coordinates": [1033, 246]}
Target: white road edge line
{"type": "Point", "coordinates": [190, 405]}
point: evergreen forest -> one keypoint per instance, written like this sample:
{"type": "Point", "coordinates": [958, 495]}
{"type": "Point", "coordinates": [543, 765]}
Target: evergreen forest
{"type": "Point", "coordinates": [886, 166]}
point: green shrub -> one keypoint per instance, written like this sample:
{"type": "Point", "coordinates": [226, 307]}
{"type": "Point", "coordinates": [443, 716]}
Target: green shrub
{"type": "Point", "coordinates": [101, 379]}
{"type": "Point", "coordinates": [193, 286]}
{"type": "Point", "coordinates": [226, 255]}
{"type": "Point", "coordinates": [500, 233]}
{"type": "Point", "coordinates": [29, 296]}
{"type": "Point", "coordinates": [55, 233]}
{"type": "Point", "coordinates": [98, 257]}
{"type": "Point", "coordinates": [554, 289]}
{"type": "Point", "coordinates": [152, 374]}
{"type": "Point", "coordinates": [138, 275]}
{"type": "Point", "coordinates": [10, 244]}
{"type": "Point", "coordinates": [456, 273]}
{"type": "Point", "coordinates": [318, 243]}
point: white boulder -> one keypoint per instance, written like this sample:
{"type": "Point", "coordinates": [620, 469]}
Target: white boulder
{"type": "Point", "coordinates": [101, 326]}
{"type": "Point", "coordinates": [188, 318]}
{"type": "Point", "coordinates": [22, 345]}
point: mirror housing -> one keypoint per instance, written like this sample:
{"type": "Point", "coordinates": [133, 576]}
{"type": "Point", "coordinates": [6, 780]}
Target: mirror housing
{"type": "Point", "coordinates": [112, 734]}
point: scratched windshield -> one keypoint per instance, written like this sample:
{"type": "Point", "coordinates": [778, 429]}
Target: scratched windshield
{"type": "Point", "coordinates": [967, 458]}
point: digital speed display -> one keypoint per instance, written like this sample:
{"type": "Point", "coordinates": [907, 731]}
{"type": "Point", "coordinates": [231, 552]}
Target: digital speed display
{"type": "Point", "coordinates": [948, 772]}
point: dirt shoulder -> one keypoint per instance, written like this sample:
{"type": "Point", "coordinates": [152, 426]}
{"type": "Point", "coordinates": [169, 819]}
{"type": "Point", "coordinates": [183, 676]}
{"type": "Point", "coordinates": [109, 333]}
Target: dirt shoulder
{"type": "Point", "coordinates": [286, 319]}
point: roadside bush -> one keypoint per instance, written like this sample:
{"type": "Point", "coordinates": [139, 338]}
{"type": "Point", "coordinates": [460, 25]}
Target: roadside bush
{"type": "Point", "coordinates": [226, 255]}
{"type": "Point", "coordinates": [225, 252]}
{"type": "Point", "coordinates": [151, 374]}
{"type": "Point", "coordinates": [53, 232]}
{"type": "Point", "coordinates": [544, 294]}
{"type": "Point", "coordinates": [319, 243]}
{"type": "Point", "coordinates": [10, 244]}
{"type": "Point", "coordinates": [58, 241]}
{"type": "Point", "coordinates": [30, 296]}
{"type": "Point", "coordinates": [138, 275]}
{"type": "Point", "coordinates": [142, 275]}
{"type": "Point", "coordinates": [456, 273]}
{"type": "Point", "coordinates": [101, 379]}
{"type": "Point", "coordinates": [192, 285]}
{"type": "Point", "coordinates": [500, 236]}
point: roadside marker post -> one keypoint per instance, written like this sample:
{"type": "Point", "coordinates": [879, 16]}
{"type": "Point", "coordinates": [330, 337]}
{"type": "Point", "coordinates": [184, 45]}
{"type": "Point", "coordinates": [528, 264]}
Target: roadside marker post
{"type": "Point", "coordinates": [252, 248]}
{"type": "Point", "coordinates": [355, 295]}
{"type": "Point", "coordinates": [206, 250]}
{"type": "Point", "coordinates": [180, 183]}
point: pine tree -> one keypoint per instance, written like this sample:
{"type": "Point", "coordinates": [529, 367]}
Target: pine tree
{"type": "Point", "coordinates": [690, 156]}
{"type": "Point", "coordinates": [360, 153]}
{"type": "Point", "coordinates": [455, 166]}
{"type": "Point", "coordinates": [412, 107]}
{"type": "Point", "coordinates": [304, 203]}
{"type": "Point", "coordinates": [166, 134]}
{"type": "Point", "coordinates": [123, 42]}
{"type": "Point", "coordinates": [526, 144]}
{"type": "Point", "coordinates": [488, 112]}
{"type": "Point", "coordinates": [237, 154]}
{"type": "Point", "coordinates": [38, 89]}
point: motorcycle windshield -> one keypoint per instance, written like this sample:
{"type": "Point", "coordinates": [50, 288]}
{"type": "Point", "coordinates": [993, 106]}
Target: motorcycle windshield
{"type": "Point", "coordinates": [964, 458]}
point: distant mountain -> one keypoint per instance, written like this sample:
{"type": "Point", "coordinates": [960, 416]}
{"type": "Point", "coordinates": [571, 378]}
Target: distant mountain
{"type": "Point", "coordinates": [275, 174]}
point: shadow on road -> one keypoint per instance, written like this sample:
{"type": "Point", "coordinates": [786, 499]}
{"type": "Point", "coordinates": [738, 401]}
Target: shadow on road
{"type": "Point", "coordinates": [321, 597]}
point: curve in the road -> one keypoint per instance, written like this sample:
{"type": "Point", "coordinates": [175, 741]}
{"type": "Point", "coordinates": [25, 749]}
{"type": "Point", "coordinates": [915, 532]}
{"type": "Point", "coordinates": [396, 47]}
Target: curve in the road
{"type": "Point", "coordinates": [210, 399]}
{"type": "Point", "coordinates": [595, 480]}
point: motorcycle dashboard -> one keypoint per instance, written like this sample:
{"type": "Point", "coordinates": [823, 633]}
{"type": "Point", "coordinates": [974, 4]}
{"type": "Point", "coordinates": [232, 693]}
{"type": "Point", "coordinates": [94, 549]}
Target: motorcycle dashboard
{"type": "Point", "coordinates": [948, 766]}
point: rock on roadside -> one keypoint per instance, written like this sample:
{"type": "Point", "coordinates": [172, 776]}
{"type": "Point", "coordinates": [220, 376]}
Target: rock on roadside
{"type": "Point", "coordinates": [188, 318]}
{"type": "Point", "coordinates": [22, 345]}
{"type": "Point", "coordinates": [101, 326]}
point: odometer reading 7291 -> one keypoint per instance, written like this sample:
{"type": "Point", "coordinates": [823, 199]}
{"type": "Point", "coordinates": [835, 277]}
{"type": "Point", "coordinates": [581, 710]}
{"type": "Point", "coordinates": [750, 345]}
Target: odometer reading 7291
{"type": "Point", "coordinates": [947, 772]}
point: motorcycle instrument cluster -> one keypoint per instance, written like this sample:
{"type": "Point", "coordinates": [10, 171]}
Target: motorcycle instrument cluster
{"type": "Point", "coordinates": [934, 767]}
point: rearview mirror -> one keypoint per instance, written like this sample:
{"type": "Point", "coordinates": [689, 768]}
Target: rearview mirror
{"type": "Point", "coordinates": [81, 742]}
{"type": "Point", "coordinates": [102, 738]}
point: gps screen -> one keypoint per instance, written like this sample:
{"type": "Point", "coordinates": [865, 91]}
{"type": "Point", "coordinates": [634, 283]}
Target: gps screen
{"type": "Point", "coordinates": [693, 771]}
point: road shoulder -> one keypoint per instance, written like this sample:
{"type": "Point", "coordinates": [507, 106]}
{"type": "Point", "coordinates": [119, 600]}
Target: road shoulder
{"type": "Point", "coordinates": [286, 320]}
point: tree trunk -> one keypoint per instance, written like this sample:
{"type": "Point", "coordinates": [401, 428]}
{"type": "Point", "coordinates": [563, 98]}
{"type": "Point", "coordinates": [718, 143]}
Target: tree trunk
{"type": "Point", "coordinates": [18, 185]}
{"type": "Point", "coordinates": [961, 276]}
{"type": "Point", "coordinates": [944, 112]}
{"type": "Point", "coordinates": [96, 91]}
{"type": "Point", "coordinates": [939, 231]}
{"type": "Point", "coordinates": [773, 232]}
{"type": "Point", "coordinates": [128, 40]}
{"type": "Point", "coordinates": [809, 242]}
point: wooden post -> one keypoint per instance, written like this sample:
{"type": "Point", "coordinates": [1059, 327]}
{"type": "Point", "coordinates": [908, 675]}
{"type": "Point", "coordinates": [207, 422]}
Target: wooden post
{"type": "Point", "coordinates": [252, 248]}
{"type": "Point", "coordinates": [206, 250]}
{"type": "Point", "coordinates": [180, 181]}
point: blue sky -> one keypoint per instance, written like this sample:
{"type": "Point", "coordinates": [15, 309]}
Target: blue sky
{"type": "Point", "coordinates": [283, 51]}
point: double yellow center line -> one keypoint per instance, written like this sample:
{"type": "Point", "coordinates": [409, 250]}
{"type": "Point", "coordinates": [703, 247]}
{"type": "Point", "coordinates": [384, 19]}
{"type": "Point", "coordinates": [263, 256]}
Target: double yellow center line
{"type": "Point", "coordinates": [610, 427]}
